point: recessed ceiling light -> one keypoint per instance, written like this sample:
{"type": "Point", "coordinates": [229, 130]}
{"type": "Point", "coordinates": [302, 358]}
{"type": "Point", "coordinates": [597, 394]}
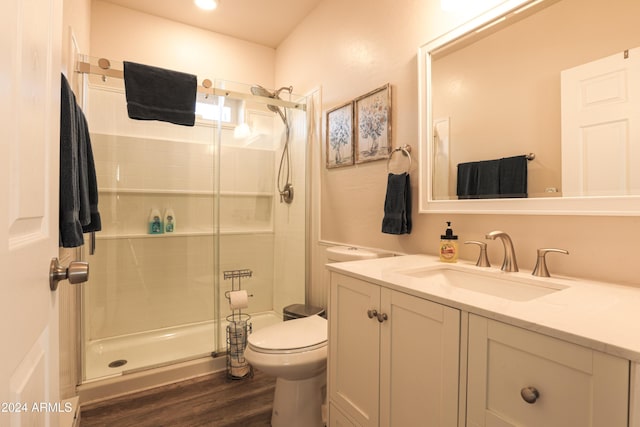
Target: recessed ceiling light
{"type": "Point", "coordinates": [206, 4]}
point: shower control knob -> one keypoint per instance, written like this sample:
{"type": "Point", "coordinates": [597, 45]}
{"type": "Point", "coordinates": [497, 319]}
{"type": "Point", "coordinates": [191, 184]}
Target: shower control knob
{"type": "Point", "coordinates": [286, 195]}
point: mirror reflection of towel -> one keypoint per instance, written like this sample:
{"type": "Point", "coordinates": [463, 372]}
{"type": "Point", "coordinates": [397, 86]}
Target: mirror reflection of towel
{"type": "Point", "coordinates": [477, 179]}
{"type": "Point", "coordinates": [513, 176]}
{"type": "Point", "coordinates": [489, 179]}
{"type": "Point", "coordinates": [397, 205]}
{"type": "Point", "coordinates": [157, 94]}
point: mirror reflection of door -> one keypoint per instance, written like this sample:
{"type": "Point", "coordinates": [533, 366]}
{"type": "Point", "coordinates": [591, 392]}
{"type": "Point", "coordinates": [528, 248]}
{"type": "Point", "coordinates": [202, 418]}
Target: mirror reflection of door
{"type": "Point", "coordinates": [441, 161]}
{"type": "Point", "coordinates": [600, 104]}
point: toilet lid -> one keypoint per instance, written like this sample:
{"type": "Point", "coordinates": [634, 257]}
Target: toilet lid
{"type": "Point", "coordinates": [293, 335]}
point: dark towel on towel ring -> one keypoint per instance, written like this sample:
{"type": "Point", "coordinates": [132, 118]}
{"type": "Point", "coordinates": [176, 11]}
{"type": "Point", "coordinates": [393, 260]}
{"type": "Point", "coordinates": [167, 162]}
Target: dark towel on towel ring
{"type": "Point", "coordinates": [397, 205]}
{"type": "Point", "coordinates": [158, 94]}
{"type": "Point", "coordinates": [78, 211]}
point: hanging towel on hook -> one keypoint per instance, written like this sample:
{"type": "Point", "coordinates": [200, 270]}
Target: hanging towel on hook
{"type": "Point", "coordinates": [158, 94]}
{"type": "Point", "coordinates": [397, 205]}
{"type": "Point", "coordinates": [78, 211]}
{"type": "Point", "coordinates": [89, 214]}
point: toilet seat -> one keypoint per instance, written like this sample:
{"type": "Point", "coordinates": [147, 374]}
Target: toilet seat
{"type": "Point", "coordinates": [292, 336]}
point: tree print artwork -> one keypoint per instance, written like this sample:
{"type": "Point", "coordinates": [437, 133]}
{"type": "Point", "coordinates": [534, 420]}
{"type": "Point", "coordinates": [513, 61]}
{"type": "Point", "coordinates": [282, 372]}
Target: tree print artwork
{"type": "Point", "coordinates": [340, 136]}
{"type": "Point", "coordinates": [373, 138]}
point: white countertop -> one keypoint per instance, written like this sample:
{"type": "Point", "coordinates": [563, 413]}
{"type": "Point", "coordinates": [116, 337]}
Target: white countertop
{"type": "Point", "coordinates": [601, 316]}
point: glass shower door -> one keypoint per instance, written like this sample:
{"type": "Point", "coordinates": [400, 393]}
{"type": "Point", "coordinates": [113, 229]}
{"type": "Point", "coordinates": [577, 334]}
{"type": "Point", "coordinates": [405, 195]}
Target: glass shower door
{"type": "Point", "coordinates": [151, 298]}
{"type": "Point", "coordinates": [259, 232]}
{"type": "Point", "coordinates": [159, 298]}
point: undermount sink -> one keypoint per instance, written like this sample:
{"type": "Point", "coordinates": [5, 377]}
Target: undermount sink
{"type": "Point", "coordinates": [494, 283]}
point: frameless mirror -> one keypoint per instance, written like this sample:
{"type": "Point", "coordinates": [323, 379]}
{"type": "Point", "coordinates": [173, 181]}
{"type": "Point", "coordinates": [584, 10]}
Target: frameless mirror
{"type": "Point", "coordinates": [550, 79]}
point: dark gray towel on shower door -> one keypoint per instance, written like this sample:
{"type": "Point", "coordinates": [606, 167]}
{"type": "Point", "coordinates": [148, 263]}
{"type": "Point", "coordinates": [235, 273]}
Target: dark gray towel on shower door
{"type": "Point", "coordinates": [158, 94]}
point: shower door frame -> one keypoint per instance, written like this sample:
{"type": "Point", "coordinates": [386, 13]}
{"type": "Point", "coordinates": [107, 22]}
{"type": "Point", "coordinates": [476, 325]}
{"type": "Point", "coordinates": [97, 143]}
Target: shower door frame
{"type": "Point", "coordinates": [85, 69]}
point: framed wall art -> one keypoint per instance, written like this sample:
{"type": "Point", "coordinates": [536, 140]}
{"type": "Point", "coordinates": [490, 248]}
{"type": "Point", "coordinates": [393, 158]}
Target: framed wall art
{"type": "Point", "coordinates": [373, 125]}
{"type": "Point", "coordinates": [340, 136]}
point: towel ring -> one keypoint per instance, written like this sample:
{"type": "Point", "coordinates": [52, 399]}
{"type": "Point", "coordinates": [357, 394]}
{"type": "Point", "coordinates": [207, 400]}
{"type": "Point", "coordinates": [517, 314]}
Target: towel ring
{"type": "Point", "coordinates": [406, 150]}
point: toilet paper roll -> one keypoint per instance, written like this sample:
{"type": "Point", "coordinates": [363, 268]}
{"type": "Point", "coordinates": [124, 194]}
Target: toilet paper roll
{"type": "Point", "coordinates": [238, 300]}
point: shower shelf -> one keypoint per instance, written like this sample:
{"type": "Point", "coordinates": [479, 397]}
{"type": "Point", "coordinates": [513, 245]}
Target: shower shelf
{"type": "Point", "coordinates": [136, 191]}
{"type": "Point", "coordinates": [225, 232]}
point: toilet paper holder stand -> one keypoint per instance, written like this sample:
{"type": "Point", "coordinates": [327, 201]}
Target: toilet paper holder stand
{"type": "Point", "coordinates": [238, 328]}
{"type": "Point", "coordinates": [236, 274]}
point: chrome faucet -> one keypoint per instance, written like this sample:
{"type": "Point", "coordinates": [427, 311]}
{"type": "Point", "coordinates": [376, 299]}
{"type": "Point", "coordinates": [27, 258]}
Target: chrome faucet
{"type": "Point", "coordinates": [509, 264]}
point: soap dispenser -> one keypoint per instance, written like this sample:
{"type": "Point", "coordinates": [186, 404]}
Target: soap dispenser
{"type": "Point", "coordinates": [155, 222]}
{"type": "Point", "coordinates": [448, 245]}
{"type": "Point", "coordinates": [169, 221]}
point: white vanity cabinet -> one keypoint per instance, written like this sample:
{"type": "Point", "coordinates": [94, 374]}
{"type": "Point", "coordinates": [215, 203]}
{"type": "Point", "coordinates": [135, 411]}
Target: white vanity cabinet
{"type": "Point", "coordinates": [518, 377]}
{"type": "Point", "coordinates": [393, 357]}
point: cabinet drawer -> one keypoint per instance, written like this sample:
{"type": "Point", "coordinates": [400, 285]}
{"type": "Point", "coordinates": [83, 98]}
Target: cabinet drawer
{"type": "Point", "coordinates": [575, 386]}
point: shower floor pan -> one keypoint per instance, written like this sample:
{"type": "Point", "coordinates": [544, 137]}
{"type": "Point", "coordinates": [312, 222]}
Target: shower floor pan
{"type": "Point", "coordinates": [131, 353]}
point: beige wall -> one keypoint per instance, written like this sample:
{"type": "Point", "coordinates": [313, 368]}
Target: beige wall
{"type": "Point", "coordinates": [121, 34]}
{"type": "Point", "coordinates": [352, 47]}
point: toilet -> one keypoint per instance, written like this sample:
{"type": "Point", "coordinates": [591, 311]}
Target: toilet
{"type": "Point", "coordinates": [295, 352]}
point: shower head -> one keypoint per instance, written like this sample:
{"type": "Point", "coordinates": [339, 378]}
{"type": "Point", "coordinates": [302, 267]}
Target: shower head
{"type": "Point", "coordinates": [286, 192]}
{"type": "Point", "coordinates": [286, 88]}
{"type": "Point", "coordinates": [261, 91]}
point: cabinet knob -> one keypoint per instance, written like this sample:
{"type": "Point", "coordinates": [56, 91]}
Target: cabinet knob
{"type": "Point", "coordinates": [380, 316]}
{"type": "Point", "coordinates": [529, 394]}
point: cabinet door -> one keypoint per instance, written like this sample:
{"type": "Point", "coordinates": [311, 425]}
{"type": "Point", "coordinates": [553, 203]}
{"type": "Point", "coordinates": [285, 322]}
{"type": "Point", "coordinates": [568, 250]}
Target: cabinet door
{"type": "Point", "coordinates": [337, 418]}
{"type": "Point", "coordinates": [576, 386]}
{"type": "Point", "coordinates": [419, 360]}
{"type": "Point", "coordinates": [354, 343]}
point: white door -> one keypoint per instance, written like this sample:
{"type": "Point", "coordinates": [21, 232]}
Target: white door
{"type": "Point", "coordinates": [29, 134]}
{"type": "Point", "coordinates": [600, 127]}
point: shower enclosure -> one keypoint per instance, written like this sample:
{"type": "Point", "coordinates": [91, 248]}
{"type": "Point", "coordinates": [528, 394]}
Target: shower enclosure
{"type": "Point", "coordinates": [156, 299]}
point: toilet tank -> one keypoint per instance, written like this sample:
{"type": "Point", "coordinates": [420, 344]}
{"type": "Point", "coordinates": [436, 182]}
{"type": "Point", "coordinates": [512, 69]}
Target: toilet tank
{"type": "Point", "coordinates": [350, 253]}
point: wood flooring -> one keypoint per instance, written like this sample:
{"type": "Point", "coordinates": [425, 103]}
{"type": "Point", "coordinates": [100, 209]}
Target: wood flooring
{"type": "Point", "coordinates": [212, 400]}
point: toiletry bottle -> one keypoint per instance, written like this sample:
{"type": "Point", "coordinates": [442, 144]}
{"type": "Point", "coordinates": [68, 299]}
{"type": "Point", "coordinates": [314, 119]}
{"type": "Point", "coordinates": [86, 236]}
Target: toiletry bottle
{"type": "Point", "coordinates": [449, 245]}
{"type": "Point", "coordinates": [155, 222]}
{"type": "Point", "coordinates": [169, 221]}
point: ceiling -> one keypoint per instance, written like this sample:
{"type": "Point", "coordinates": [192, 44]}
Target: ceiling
{"type": "Point", "coordinates": [266, 22]}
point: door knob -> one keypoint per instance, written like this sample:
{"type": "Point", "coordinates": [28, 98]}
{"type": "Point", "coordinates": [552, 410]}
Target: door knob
{"type": "Point", "coordinates": [77, 272]}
